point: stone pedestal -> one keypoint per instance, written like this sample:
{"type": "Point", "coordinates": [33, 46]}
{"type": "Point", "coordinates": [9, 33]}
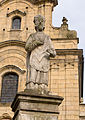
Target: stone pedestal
{"type": "Point", "coordinates": [29, 105]}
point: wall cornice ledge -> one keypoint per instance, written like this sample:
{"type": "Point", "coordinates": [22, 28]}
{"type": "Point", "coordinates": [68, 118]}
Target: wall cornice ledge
{"type": "Point", "coordinates": [56, 39]}
{"type": "Point", "coordinates": [78, 52]}
{"type": "Point", "coordinates": [55, 2]}
{"type": "Point", "coordinates": [12, 67]}
{"type": "Point", "coordinates": [12, 43]}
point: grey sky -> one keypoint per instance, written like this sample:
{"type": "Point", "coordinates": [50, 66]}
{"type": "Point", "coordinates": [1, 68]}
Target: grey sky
{"type": "Point", "coordinates": [73, 10]}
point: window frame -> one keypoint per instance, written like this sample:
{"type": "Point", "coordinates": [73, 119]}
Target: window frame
{"type": "Point", "coordinates": [14, 17]}
{"type": "Point", "coordinates": [9, 73]}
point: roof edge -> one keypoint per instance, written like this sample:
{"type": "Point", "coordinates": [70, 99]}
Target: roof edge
{"type": "Point", "coordinates": [55, 2]}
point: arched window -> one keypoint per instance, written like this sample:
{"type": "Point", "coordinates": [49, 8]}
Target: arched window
{"type": "Point", "coordinates": [16, 23]}
{"type": "Point", "coordinates": [9, 87]}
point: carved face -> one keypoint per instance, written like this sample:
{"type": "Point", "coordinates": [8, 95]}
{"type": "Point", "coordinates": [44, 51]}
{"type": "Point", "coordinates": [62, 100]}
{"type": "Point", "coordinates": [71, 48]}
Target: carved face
{"type": "Point", "coordinates": [39, 23]}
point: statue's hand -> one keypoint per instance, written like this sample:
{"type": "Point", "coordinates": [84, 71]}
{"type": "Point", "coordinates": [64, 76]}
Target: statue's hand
{"type": "Point", "coordinates": [52, 52]}
{"type": "Point", "coordinates": [47, 54]}
{"type": "Point", "coordinates": [32, 45]}
{"type": "Point", "coordinates": [38, 42]}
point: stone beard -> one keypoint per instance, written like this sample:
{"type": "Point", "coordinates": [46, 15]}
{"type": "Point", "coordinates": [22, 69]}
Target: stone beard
{"type": "Point", "coordinates": [39, 49]}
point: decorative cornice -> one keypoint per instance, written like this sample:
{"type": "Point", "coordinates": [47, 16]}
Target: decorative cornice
{"type": "Point", "coordinates": [54, 39]}
{"type": "Point", "coordinates": [12, 67]}
{"type": "Point", "coordinates": [5, 116]}
{"type": "Point", "coordinates": [55, 2]}
{"type": "Point", "coordinates": [16, 12]}
{"type": "Point", "coordinates": [78, 52]}
{"type": "Point", "coordinates": [58, 51]}
{"type": "Point", "coordinates": [12, 43]}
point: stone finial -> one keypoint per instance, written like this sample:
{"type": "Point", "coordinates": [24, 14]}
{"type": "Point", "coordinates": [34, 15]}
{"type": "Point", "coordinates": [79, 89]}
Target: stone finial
{"type": "Point", "coordinates": [64, 25]}
{"type": "Point", "coordinates": [81, 100]}
{"type": "Point", "coordinates": [64, 20]}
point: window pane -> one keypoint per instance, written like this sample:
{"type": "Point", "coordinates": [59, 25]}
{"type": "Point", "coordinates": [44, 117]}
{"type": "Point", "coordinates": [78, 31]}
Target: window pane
{"type": "Point", "coordinates": [16, 23]}
{"type": "Point", "coordinates": [9, 87]}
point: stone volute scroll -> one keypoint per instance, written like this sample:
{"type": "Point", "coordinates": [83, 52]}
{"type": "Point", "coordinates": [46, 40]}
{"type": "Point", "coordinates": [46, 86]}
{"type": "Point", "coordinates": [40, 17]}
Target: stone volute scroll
{"type": "Point", "coordinates": [39, 49]}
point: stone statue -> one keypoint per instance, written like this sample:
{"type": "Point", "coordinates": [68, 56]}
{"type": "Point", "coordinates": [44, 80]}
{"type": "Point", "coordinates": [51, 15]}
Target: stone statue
{"type": "Point", "coordinates": [39, 49]}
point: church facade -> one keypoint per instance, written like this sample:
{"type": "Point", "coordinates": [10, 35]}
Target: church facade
{"type": "Point", "coordinates": [66, 69]}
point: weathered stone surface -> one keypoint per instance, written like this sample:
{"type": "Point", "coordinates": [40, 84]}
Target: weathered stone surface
{"type": "Point", "coordinates": [55, 2]}
{"type": "Point", "coordinates": [65, 69]}
{"type": "Point", "coordinates": [35, 116]}
{"type": "Point", "coordinates": [28, 104]}
{"type": "Point", "coordinates": [5, 116]}
{"type": "Point", "coordinates": [39, 50]}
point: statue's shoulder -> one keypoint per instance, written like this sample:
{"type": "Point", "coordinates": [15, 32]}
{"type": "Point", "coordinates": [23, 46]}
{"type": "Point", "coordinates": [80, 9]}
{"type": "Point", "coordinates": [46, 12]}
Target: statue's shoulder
{"type": "Point", "coordinates": [44, 34]}
{"type": "Point", "coordinates": [47, 36]}
{"type": "Point", "coordinates": [32, 35]}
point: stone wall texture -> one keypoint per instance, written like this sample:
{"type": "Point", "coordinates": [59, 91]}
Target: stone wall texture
{"type": "Point", "coordinates": [65, 69]}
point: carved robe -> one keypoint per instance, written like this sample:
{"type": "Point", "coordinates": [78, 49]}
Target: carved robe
{"type": "Point", "coordinates": [40, 48]}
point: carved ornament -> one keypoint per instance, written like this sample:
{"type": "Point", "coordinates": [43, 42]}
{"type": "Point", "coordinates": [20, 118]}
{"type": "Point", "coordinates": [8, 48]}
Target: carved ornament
{"type": "Point", "coordinates": [55, 2]}
{"type": "Point", "coordinates": [16, 12]}
{"type": "Point", "coordinates": [5, 116]}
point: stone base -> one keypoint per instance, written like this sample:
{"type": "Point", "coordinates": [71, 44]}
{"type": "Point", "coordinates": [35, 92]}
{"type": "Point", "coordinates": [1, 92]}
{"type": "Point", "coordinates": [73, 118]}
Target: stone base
{"type": "Point", "coordinates": [29, 105]}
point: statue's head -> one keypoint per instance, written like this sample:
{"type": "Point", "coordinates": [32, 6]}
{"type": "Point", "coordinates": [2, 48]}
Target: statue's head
{"type": "Point", "coordinates": [39, 22]}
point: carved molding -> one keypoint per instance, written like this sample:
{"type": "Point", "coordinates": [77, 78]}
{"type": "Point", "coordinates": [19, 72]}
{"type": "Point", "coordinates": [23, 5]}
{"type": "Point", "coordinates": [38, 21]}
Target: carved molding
{"type": "Point", "coordinates": [12, 67]}
{"type": "Point", "coordinates": [5, 116]}
{"type": "Point", "coordinates": [16, 12]}
{"type": "Point", "coordinates": [78, 52]}
{"type": "Point", "coordinates": [55, 2]}
{"type": "Point", "coordinates": [12, 43]}
{"type": "Point", "coordinates": [66, 39]}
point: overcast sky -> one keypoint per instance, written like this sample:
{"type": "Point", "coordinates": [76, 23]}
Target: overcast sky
{"type": "Point", "coordinates": [73, 10]}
